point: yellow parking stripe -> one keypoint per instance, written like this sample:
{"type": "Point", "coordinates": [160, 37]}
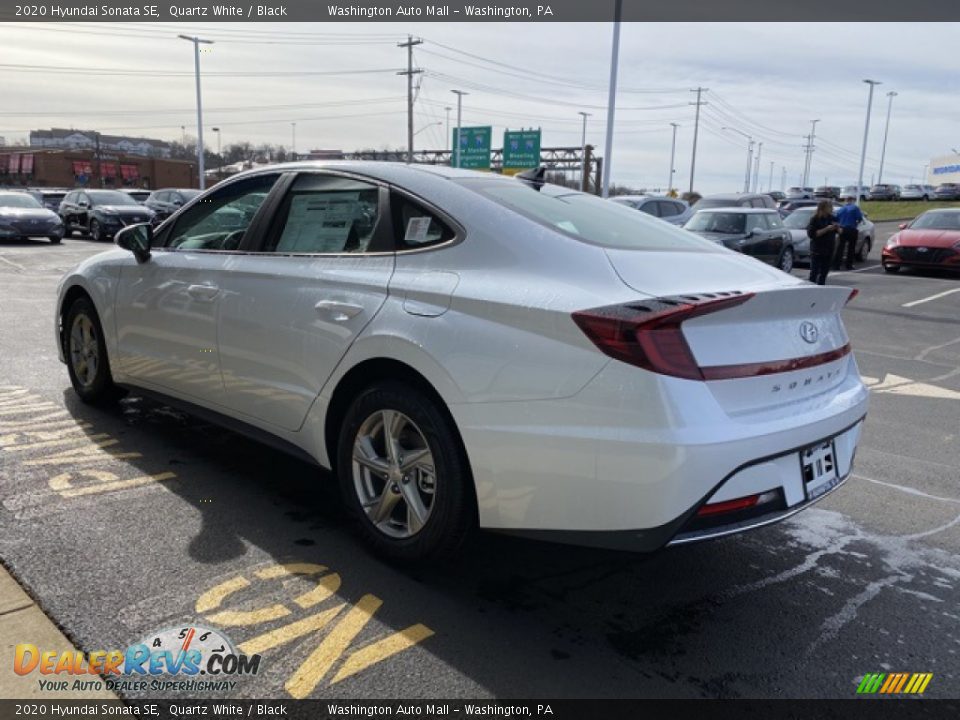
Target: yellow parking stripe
{"type": "Point", "coordinates": [926, 681]}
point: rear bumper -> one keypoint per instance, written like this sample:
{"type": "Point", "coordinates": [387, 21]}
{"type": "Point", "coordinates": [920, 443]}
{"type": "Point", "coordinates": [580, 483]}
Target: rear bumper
{"type": "Point", "coordinates": [628, 461]}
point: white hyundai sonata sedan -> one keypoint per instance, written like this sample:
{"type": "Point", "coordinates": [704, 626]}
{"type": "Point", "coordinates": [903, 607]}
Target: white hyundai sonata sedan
{"type": "Point", "coordinates": [465, 350]}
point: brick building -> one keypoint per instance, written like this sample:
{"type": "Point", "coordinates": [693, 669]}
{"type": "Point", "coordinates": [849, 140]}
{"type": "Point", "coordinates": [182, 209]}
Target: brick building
{"type": "Point", "coordinates": [35, 167]}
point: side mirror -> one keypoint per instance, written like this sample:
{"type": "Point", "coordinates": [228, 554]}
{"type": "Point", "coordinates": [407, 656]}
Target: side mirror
{"type": "Point", "coordinates": [137, 239]}
{"type": "Point", "coordinates": [902, 226]}
{"type": "Point", "coordinates": [178, 202]}
{"type": "Point", "coordinates": [750, 234]}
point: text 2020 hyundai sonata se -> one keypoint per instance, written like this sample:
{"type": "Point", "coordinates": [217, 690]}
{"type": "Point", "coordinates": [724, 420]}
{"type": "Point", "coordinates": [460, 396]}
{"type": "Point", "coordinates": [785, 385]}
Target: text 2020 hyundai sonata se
{"type": "Point", "coordinates": [467, 350]}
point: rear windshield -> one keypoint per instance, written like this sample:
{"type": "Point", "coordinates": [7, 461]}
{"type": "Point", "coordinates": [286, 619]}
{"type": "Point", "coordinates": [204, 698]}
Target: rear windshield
{"type": "Point", "coordinates": [587, 217]}
{"type": "Point", "coordinates": [729, 223]}
{"type": "Point", "coordinates": [799, 219]}
{"type": "Point", "coordinates": [110, 197]}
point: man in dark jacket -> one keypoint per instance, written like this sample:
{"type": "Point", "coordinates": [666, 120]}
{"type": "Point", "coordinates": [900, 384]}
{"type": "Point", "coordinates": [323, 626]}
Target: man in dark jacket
{"type": "Point", "coordinates": [822, 232]}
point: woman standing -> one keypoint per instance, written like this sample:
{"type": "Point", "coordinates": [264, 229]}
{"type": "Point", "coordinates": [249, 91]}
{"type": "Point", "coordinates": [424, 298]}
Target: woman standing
{"type": "Point", "coordinates": [822, 232]}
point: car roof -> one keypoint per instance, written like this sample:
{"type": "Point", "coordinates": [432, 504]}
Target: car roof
{"type": "Point", "coordinates": [739, 209]}
{"type": "Point", "coordinates": [733, 196]}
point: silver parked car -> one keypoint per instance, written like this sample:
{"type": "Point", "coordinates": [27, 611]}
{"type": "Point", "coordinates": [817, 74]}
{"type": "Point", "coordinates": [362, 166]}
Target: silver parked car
{"type": "Point", "coordinates": [673, 210]}
{"type": "Point", "coordinates": [917, 192]}
{"type": "Point", "coordinates": [797, 221]}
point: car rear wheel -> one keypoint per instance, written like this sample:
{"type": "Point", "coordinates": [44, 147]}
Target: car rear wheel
{"type": "Point", "coordinates": [864, 250]}
{"type": "Point", "coordinates": [404, 475]}
{"type": "Point", "coordinates": [86, 354]}
{"type": "Point", "coordinates": [786, 260]}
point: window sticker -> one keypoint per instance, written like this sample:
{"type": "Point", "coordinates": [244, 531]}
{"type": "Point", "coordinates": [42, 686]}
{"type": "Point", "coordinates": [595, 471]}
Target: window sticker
{"type": "Point", "coordinates": [417, 229]}
{"type": "Point", "coordinates": [320, 223]}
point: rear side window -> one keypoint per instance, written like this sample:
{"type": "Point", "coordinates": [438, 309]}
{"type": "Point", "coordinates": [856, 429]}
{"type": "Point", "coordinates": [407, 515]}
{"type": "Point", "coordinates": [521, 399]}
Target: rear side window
{"type": "Point", "coordinates": [415, 226]}
{"type": "Point", "coordinates": [669, 209]}
{"type": "Point", "coordinates": [587, 217]}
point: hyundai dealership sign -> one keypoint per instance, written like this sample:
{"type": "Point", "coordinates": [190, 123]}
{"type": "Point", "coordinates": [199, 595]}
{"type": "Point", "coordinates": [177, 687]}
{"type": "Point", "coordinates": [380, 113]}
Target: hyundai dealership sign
{"type": "Point", "coordinates": [944, 169]}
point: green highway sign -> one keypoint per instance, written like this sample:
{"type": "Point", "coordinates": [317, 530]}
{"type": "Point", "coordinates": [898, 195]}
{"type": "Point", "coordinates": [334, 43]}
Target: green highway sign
{"type": "Point", "coordinates": [474, 147]}
{"type": "Point", "coordinates": [521, 149]}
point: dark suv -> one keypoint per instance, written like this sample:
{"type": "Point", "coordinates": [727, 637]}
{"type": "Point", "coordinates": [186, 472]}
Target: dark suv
{"type": "Point", "coordinates": [756, 200]}
{"type": "Point", "coordinates": [830, 192]}
{"type": "Point", "coordinates": [947, 191]}
{"type": "Point", "coordinates": [167, 201]}
{"type": "Point", "coordinates": [100, 213]}
{"type": "Point", "coordinates": [884, 192]}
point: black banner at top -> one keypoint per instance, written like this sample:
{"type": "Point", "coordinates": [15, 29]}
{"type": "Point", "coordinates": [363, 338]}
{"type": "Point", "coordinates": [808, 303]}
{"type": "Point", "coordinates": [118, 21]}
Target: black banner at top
{"type": "Point", "coordinates": [405, 11]}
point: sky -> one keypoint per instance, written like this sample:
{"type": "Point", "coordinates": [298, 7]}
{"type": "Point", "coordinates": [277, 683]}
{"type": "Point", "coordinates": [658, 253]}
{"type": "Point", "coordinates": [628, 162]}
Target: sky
{"type": "Point", "coordinates": [338, 83]}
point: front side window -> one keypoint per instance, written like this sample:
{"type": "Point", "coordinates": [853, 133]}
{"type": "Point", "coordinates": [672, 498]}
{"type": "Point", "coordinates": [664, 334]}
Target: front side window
{"type": "Point", "coordinates": [325, 214]}
{"type": "Point", "coordinates": [755, 223]}
{"type": "Point", "coordinates": [220, 222]}
{"type": "Point", "coordinates": [728, 223]}
{"type": "Point", "coordinates": [587, 217]}
{"type": "Point", "coordinates": [773, 220]}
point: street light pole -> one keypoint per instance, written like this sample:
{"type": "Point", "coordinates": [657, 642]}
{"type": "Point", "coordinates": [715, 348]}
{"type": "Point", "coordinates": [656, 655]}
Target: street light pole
{"type": "Point", "coordinates": [293, 145]}
{"type": "Point", "coordinates": [611, 100]}
{"type": "Point", "coordinates": [673, 152]}
{"type": "Point", "coordinates": [808, 165]}
{"type": "Point", "coordinates": [770, 179]}
{"type": "Point", "coordinates": [456, 149]}
{"type": "Point", "coordinates": [219, 154]}
{"type": "Point", "coordinates": [866, 132]}
{"type": "Point", "coordinates": [583, 150]}
{"type": "Point", "coordinates": [756, 169]}
{"type": "Point", "coordinates": [449, 139]}
{"type": "Point", "coordinates": [883, 153]}
{"type": "Point", "coordinates": [196, 69]}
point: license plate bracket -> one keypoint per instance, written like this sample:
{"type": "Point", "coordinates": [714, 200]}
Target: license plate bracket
{"type": "Point", "coordinates": [818, 468]}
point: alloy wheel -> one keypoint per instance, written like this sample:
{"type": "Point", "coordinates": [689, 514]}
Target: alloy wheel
{"type": "Point", "coordinates": [394, 475]}
{"type": "Point", "coordinates": [84, 350]}
{"type": "Point", "coordinates": [786, 260]}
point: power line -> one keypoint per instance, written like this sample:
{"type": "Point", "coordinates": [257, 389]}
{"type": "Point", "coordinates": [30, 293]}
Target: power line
{"type": "Point", "coordinates": [74, 70]}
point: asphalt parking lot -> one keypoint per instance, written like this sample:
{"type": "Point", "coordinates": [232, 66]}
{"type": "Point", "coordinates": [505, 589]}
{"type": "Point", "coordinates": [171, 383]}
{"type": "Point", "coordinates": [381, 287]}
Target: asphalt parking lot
{"type": "Point", "coordinates": [123, 522]}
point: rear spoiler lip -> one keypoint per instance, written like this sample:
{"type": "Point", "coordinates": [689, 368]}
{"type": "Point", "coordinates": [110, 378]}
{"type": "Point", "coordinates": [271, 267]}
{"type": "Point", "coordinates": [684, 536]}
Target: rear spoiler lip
{"type": "Point", "coordinates": [773, 367]}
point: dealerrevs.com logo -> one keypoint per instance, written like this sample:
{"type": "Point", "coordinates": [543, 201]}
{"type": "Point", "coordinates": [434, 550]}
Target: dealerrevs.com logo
{"type": "Point", "coordinates": [173, 660]}
{"type": "Point", "coordinates": [899, 683]}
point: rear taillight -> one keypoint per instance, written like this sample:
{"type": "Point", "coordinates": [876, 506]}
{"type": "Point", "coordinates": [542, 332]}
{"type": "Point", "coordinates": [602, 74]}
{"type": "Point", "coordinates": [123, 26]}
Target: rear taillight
{"type": "Point", "coordinates": [741, 503]}
{"type": "Point", "coordinates": [648, 334]}
{"type": "Point", "coordinates": [853, 294]}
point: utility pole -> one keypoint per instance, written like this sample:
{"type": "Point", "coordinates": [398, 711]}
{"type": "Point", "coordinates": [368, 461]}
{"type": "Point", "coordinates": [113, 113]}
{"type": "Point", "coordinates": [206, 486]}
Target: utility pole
{"type": "Point", "coordinates": [196, 68]}
{"type": "Point", "coordinates": [866, 133]}
{"type": "Point", "coordinates": [583, 149]}
{"type": "Point", "coordinates": [611, 99]}
{"type": "Point", "coordinates": [891, 95]}
{"type": "Point", "coordinates": [770, 179]}
{"type": "Point", "coordinates": [809, 162]}
{"type": "Point", "coordinates": [696, 129]}
{"type": "Point", "coordinates": [456, 149]}
{"type": "Point", "coordinates": [783, 178]}
{"type": "Point", "coordinates": [293, 146]}
{"type": "Point", "coordinates": [756, 168]}
{"type": "Point", "coordinates": [219, 154]}
{"type": "Point", "coordinates": [673, 152]}
{"type": "Point", "coordinates": [746, 177]}
{"type": "Point", "coordinates": [449, 139]}
{"type": "Point", "coordinates": [410, 72]}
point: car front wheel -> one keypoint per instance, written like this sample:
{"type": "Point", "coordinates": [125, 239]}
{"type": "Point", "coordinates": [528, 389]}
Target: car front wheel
{"type": "Point", "coordinates": [404, 475]}
{"type": "Point", "coordinates": [95, 232]}
{"type": "Point", "coordinates": [891, 268]}
{"type": "Point", "coordinates": [86, 354]}
{"type": "Point", "coordinates": [864, 250]}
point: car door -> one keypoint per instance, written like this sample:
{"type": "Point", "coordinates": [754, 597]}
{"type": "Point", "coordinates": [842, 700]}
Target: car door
{"type": "Point", "coordinates": [167, 308]}
{"type": "Point", "coordinates": [291, 309]}
{"type": "Point", "coordinates": [762, 243]}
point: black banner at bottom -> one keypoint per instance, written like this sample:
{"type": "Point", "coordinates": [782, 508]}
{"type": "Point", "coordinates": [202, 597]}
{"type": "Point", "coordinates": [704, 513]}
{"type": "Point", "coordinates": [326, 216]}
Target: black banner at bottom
{"type": "Point", "coordinates": [860, 709]}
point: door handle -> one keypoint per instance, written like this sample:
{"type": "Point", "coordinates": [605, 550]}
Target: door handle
{"type": "Point", "coordinates": [338, 311]}
{"type": "Point", "coordinates": [205, 293]}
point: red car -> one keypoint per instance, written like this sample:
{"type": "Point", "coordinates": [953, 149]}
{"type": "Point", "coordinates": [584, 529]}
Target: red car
{"type": "Point", "coordinates": [930, 241]}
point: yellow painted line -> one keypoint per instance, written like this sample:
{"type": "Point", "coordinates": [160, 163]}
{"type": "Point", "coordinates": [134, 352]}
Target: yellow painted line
{"type": "Point", "coordinates": [68, 490]}
{"type": "Point", "coordinates": [249, 617]}
{"type": "Point", "coordinates": [19, 399]}
{"type": "Point", "coordinates": [926, 681]}
{"type": "Point", "coordinates": [44, 433]}
{"type": "Point", "coordinates": [287, 569]}
{"type": "Point", "coordinates": [31, 427]}
{"type": "Point", "coordinates": [287, 633]}
{"type": "Point", "coordinates": [381, 650]}
{"type": "Point", "coordinates": [87, 458]}
{"type": "Point", "coordinates": [16, 424]}
{"type": "Point", "coordinates": [326, 587]}
{"type": "Point", "coordinates": [212, 598]}
{"type": "Point", "coordinates": [62, 442]}
{"type": "Point", "coordinates": [27, 408]}
{"type": "Point", "coordinates": [309, 675]}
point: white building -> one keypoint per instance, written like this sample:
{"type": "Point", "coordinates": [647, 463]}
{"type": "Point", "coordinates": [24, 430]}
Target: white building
{"type": "Point", "coordinates": [87, 140]}
{"type": "Point", "coordinates": [945, 168]}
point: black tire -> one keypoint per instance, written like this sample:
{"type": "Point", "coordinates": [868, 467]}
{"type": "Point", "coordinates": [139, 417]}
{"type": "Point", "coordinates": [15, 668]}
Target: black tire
{"type": "Point", "coordinates": [67, 231]}
{"type": "Point", "coordinates": [864, 250]}
{"type": "Point", "coordinates": [99, 389]}
{"type": "Point", "coordinates": [452, 514]}
{"type": "Point", "coordinates": [891, 268]}
{"type": "Point", "coordinates": [787, 260]}
{"type": "Point", "coordinates": [54, 240]}
{"type": "Point", "coordinates": [94, 231]}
